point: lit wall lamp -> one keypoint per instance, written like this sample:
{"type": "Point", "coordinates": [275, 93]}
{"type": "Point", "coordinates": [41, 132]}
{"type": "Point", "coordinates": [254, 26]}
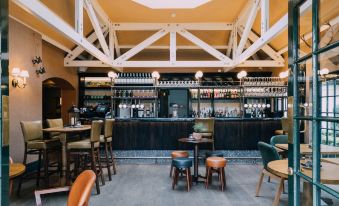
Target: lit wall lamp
{"type": "Point", "coordinates": [283, 75]}
{"type": "Point", "coordinates": [241, 74]}
{"type": "Point", "coordinates": [155, 76]}
{"type": "Point", "coordinates": [199, 75]}
{"type": "Point", "coordinates": [19, 77]}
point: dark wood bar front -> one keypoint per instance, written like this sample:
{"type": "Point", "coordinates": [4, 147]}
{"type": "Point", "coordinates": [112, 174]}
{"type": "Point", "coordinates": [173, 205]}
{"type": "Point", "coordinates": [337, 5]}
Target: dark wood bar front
{"type": "Point", "coordinates": [163, 133]}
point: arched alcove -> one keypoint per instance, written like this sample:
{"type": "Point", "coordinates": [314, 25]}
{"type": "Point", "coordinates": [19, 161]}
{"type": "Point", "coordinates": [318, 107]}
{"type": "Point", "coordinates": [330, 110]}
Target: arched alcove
{"type": "Point", "coordinates": [58, 96]}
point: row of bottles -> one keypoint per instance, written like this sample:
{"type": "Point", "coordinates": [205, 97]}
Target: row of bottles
{"type": "Point", "coordinates": [134, 78]}
{"type": "Point", "coordinates": [219, 113]}
{"type": "Point", "coordinates": [216, 93]}
{"type": "Point", "coordinates": [150, 93]}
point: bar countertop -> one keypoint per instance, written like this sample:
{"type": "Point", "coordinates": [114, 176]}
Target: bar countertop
{"type": "Point", "coordinates": [192, 119]}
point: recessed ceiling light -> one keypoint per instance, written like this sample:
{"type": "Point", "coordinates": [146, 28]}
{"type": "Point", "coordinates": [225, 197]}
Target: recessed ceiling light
{"type": "Point", "coordinates": [172, 4]}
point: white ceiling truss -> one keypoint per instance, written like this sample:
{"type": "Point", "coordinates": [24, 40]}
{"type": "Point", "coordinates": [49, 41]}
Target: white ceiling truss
{"type": "Point", "coordinates": [242, 44]}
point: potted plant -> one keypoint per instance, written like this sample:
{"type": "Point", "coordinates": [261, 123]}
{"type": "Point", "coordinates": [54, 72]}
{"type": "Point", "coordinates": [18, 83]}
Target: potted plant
{"type": "Point", "coordinates": [198, 128]}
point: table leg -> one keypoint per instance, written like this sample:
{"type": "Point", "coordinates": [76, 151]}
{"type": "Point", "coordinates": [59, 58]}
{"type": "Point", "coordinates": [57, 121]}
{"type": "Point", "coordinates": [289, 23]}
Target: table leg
{"type": "Point", "coordinates": [64, 160]}
{"type": "Point", "coordinates": [307, 195]}
{"type": "Point", "coordinates": [196, 163]}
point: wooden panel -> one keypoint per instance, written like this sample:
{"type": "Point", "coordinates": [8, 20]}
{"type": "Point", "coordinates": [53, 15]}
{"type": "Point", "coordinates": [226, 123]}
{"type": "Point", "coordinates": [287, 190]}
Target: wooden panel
{"type": "Point", "coordinates": [239, 134]}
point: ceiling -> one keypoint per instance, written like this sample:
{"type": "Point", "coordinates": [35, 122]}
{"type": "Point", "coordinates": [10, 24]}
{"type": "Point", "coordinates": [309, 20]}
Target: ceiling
{"type": "Point", "coordinates": [225, 11]}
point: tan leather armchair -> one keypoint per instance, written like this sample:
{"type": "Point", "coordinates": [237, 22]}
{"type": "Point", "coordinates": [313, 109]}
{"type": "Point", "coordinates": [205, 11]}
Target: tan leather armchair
{"type": "Point", "coordinates": [209, 125]}
{"type": "Point", "coordinates": [55, 123]}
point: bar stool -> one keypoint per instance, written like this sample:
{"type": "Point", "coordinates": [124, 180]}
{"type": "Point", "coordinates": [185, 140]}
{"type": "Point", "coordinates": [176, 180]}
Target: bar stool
{"type": "Point", "coordinates": [89, 147]}
{"type": "Point", "coordinates": [106, 140]}
{"type": "Point", "coordinates": [182, 165]}
{"type": "Point", "coordinates": [176, 154]}
{"type": "Point", "coordinates": [217, 165]}
{"type": "Point", "coordinates": [36, 145]}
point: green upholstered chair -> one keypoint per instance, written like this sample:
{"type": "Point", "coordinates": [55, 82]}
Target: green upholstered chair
{"type": "Point", "coordinates": [182, 165]}
{"type": "Point", "coordinates": [106, 140]}
{"type": "Point", "coordinates": [268, 154]}
{"type": "Point", "coordinates": [279, 139]}
{"type": "Point", "coordinates": [35, 144]}
{"type": "Point", "coordinates": [209, 125]}
{"type": "Point", "coordinates": [56, 123]}
{"type": "Point", "coordinates": [89, 146]}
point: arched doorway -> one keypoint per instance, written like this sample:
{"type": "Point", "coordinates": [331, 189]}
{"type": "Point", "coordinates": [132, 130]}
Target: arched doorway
{"type": "Point", "coordinates": [57, 97]}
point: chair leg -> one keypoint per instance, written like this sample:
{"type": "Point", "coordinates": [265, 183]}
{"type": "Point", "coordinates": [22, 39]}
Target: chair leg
{"type": "Point", "coordinates": [261, 178]}
{"type": "Point", "coordinates": [208, 176]}
{"type": "Point", "coordinates": [39, 169]}
{"type": "Point", "coordinates": [112, 158]}
{"type": "Point", "coordinates": [224, 177]}
{"type": "Point", "coordinates": [22, 176]}
{"type": "Point", "coordinates": [269, 179]}
{"type": "Point", "coordinates": [171, 170]}
{"type": "Point", "coordinates": [221, 179]}
{"type": "Point", "coordinates": [278, 193]}
{"type": "Point", "coordinates": [108, 163]}
{"type": "Point", "coordinates": [174, 178]}
{"type": "Point", "coordinates": [188, 179]}
{"type": "Point", "coordinates": [93, 166]}
{"type": "Point", "coordinates": [100, 167]}
{"type": "Point", "coordinates": [45, 154]}
{"type": "Point", "coordinates": [68, 167]}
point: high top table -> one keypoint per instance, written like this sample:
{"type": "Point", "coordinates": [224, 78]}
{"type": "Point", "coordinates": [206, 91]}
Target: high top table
{"type": "Point", "coordinates": [196, 144]}
{"type": "Point", "coordinates": [63, 140]}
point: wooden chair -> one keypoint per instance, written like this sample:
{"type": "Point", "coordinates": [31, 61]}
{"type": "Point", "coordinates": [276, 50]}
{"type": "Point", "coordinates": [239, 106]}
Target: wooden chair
{"type": "Point", "coordinates": [106, 139]}
{"type": "Point", "coordinates": [36, 145]}
{"type": "Point", "coordinates": [88, 147]}
{"type": "Point", "coordinates": [80, 191]}
{"type": "Point", "coordinates": [268, 154]}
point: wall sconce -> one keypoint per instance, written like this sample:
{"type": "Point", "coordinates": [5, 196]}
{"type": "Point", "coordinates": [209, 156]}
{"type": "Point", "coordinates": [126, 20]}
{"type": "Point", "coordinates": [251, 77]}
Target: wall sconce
{"type": "Point", "coordinates": [155, 76]}
{"type": "Point", "coordinates": [19, 77]}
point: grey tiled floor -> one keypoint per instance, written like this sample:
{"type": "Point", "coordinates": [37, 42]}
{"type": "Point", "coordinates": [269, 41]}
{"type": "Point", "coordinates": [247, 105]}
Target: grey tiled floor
{"type": "Point", "coordinates": [150, 185]}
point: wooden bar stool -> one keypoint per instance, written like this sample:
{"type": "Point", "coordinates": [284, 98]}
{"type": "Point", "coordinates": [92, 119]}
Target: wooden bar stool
{"type": "Point", "coordinates": [106, 140]}
{"type": "Point", "coordinates": [217, 165]}
{"type": "Point", "coordinates": [176, 154]}
{"type": "Point", "coordinates": [182, 165]}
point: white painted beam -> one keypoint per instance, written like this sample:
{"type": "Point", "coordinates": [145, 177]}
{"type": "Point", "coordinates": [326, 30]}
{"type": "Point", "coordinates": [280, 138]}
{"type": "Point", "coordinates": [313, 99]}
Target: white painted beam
{"type": "Point", "coordinates": [79, 16]}
{"type": "Point", "coordinates": [265, 15]}
{"type": "Point", "coordinates": [141, 46]}
{"type": "Point", "coordinates": [266, 48]}
{"type": "Point", "coordinates": [79, 49]}
{"type": "Point", "coordinates": [248, 26]}
{"type": "Point", "coordinates": [270, 34]}
{"type": "Point", "coordinates": [42, 12]}
{"type": "Point", "coordinates": [95, 23]}
{"type": "Point", "coordinates": [86, 63]}
{"type": "Point", "coordinates": [230, 44]}
{"type": "Point", "coordinates": [166, 47]}
{"type": "Point", "coordinates": [173, 46]}
{"type": "Point", "coordinates": [111, 40]}
{"type": "Point", "coordinates": [157, 26]}
{"type": "Point", "coordinates": [204, 46]}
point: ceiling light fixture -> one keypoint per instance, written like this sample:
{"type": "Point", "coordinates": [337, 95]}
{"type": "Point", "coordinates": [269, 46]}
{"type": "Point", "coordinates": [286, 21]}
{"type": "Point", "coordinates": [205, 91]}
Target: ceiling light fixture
{"type": "Point", "coordinates": [172, 4]}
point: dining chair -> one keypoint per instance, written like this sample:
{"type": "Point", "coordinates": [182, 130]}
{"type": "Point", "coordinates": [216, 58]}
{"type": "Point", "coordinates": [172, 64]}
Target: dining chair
{"type": "Point", "coordinates": [268, 154]}
{"type": "Point", "coordinates": [106, 139]}
{"type": "Point", "coordinates": [209, 125]}
{"type": "Point", "coordinates": [79, 194]}
{"type": "Point", "coordinates": [279, 139]}
{"type": "Point", "coordinates": [90, 147]}
{"type": "Point", "coordinates": [55, 123]}
{"type": "Point", "coordinates": [35, 144]}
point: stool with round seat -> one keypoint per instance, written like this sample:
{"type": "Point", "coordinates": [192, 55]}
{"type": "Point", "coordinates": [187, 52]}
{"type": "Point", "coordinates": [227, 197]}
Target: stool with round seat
{"type": "Point", "coordinates": [214, 154]}
{"type": "Point", "coordinates": [182, 165]}
{"type": "Point", "coordinates": [217, 165]}
{"type": "Point", "coordinates": [176, 154]}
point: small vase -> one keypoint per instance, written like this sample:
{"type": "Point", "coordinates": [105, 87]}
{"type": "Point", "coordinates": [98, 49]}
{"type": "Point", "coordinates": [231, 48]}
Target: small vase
{"type": "Point", "coordinates": [197, 136]}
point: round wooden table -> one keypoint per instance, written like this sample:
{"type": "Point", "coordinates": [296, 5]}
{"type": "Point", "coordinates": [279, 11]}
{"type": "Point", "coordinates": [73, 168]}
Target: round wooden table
{"type": "Point", "coordinates": [328, 175]}
{"type": "Point", "coordinates": [196, 144]}
{"type": "Point", "coordinates": [63, 141]}
{"type": "Point", "coordinates": [15, 170]}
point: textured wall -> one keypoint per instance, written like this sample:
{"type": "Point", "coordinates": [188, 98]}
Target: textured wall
{"type": "Point", "coordinates": [26, 104]}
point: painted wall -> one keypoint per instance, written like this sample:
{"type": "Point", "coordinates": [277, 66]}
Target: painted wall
{"type": "Point", "coordinates": [26, 104]}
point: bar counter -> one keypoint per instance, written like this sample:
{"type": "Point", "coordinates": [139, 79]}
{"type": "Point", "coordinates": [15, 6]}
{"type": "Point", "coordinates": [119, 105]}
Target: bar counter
{"type": "Point", "coordinates": [163, 133]}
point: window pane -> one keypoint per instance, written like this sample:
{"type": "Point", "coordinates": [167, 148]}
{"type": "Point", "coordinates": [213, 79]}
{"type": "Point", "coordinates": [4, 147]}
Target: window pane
{"type": "Point", "coordinates": [330, 85]}
{"type": "Point", "coordinates": [331, 104]}
{"type": "Point", "coordinates": [324, 104]}
{"type": "Point", "coordinates": [323, 89]}
{"type": "Point", "coordinates": [324, 136]}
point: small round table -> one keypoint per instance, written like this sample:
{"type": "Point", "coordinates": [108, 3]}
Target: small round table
{"type": "Point", "coordinates": [15, 170]}
{"type": "Point", "coordinates": [196, 143]}
{"type": "Point", "coordinates": [329, 175]}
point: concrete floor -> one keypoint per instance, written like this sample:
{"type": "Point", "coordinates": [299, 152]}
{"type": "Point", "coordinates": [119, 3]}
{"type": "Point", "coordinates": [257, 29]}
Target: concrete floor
{"type": "Point", "coordinates": [136, 185]}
